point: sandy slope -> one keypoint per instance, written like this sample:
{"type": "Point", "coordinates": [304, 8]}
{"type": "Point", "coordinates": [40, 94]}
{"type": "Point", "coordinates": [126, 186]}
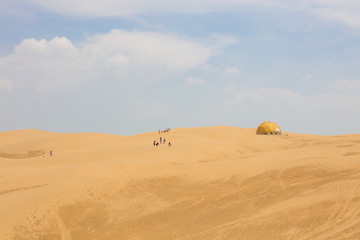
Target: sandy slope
{"type": "Point", "coordinates": [214, 183]}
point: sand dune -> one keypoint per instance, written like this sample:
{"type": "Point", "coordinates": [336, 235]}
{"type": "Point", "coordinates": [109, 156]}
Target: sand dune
{"type": "Point", "coordinates": [213, 183]}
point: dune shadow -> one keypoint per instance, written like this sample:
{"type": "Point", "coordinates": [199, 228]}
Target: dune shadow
{"type": "Point", "coordinates": [29, 154]}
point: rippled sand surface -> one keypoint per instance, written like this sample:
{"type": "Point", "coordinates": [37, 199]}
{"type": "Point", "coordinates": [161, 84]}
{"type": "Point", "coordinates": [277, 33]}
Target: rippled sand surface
{"type": "Point", "coordinates": [212, 183]}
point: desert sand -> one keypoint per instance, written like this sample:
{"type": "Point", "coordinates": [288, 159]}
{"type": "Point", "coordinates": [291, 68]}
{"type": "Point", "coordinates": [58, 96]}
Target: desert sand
{"type": "Point", "coordinates": [213, 183]}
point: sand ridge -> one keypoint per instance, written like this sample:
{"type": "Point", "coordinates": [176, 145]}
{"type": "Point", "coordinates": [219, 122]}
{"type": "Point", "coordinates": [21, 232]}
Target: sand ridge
{"type": "Point", "coordinates": [213, 183]}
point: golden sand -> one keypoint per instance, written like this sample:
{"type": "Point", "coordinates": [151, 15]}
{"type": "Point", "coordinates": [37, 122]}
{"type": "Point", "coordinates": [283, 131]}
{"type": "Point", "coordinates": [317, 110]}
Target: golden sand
{"type": "Point", "coordinates": [213, 183]}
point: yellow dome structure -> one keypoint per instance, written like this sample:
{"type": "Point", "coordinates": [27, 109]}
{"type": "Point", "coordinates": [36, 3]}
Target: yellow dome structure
{"type": "Point", "coordinates": [268, 128]}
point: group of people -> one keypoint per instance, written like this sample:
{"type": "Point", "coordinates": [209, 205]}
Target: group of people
{"type": "Point", "coordinates": [165, 130]}
{"type": "Point", "coordinates": [50, 153]}
{"type": "Point", "coordinates": [162, 139]}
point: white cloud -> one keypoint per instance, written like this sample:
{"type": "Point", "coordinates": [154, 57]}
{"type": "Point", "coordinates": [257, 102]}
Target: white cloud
{"type": "Point", "coordinates": [194, 81]}
{"type": "Point", "coordinates": [118, 60]}
{"type": "Point", "coordinates": [347, 85]}
{"type": "Point", "coordinates": [309, 77]}
{"type": "Point", "coordinates": [42, 64]}
{"type": "Point", "coordinates": [60, 46]}
{"type": "Point", "coordinates": [15, 8]}
{"type": "Point", "coordinates": [231, 71]}
{"type": "Point", "coordinates": [264, 94]}
{"type": "Point", "coordinates": [335, 10]}
{"type": "Point", "coordinates": [171, 52]}
{"type": "Point", "coordinates": [345, 16]}
{"type": "Point", "coordinates": [108, 8]}
{"type": "Point", "coordinates": [133, 55]}
{"type": "Point", "coordinates": [6, 85]}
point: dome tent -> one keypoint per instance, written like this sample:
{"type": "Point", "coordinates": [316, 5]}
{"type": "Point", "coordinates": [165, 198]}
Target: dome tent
{"type": "Point", "coordinates": [268, 128]}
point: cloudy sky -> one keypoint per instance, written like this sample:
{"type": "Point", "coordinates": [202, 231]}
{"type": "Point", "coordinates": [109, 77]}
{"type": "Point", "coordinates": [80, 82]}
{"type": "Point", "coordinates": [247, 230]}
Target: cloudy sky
{"type": "Point", "coordinates": [132, 66]}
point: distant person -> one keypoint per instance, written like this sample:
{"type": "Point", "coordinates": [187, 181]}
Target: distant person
{"type": "Point", "coordinates": [51, 153]}
{"type": "Point", "coordinates": [154, 143]}
{"type": "Point", "coordinates": [157, 144]}
{"type": "Point", "coordinates": [43, 154]}
{"type": "Point", "coordinates": [164, 140]}
{"type": "Point", "coordinates": [170, 144]}
{"type": "Point", "coordinates": [160, 139]}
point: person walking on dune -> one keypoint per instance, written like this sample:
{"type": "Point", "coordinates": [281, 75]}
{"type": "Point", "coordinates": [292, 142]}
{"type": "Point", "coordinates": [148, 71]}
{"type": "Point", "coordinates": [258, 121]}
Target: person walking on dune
{"type": "Point", "coordinates": [51, 153]}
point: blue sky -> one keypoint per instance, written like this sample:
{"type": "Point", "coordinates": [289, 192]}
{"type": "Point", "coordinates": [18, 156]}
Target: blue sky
{"type": "Point", "coordinates": [128, 67]}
